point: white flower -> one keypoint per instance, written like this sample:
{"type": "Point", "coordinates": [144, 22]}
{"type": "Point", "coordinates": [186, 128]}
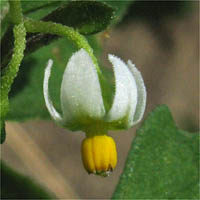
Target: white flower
{"type": "Point", "coordinates": [81, 96]}
{"type": "Point", "coordinates": [83, 107]}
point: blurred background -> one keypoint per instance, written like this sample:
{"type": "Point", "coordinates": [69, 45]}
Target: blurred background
{"type": "Point", "coordinates": [162, 39]}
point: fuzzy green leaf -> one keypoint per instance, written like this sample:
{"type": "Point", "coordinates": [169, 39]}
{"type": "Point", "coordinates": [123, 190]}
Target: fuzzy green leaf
{"type": "Point", "coordinates": [162, 163]}
{"type": "Point", "coordinates": [87, 17]}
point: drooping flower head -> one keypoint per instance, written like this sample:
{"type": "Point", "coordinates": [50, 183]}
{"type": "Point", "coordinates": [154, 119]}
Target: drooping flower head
{"type": "Point", "coordinates": [83, 106]}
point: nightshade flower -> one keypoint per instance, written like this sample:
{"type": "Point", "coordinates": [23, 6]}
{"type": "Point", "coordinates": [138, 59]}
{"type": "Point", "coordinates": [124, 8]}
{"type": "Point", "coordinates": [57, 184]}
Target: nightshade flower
{"type": "Point", "coordinates": [83, 107]}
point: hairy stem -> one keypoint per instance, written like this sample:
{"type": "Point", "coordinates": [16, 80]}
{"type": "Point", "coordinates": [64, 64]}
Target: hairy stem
{"type": "Point", "coordinates": [61, 30]}
{"type": "Point", "coordinates": [11, 70]}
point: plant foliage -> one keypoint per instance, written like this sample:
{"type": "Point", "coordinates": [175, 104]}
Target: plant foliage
{"type": "Point", "coordinates": [162, 163]}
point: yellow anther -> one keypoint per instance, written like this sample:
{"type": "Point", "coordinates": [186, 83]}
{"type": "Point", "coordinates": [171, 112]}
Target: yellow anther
{"type": "Point", "coordinates": [99, 154]}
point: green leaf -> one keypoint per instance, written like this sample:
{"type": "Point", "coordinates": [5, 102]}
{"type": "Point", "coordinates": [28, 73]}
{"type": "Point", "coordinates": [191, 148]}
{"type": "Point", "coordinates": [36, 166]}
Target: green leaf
{"type": "Point", "coordinates": [17, 186]}
{"type": "Point", "coordinates": [26, 97]}
{"type": "Point", "coordinates": [87, 17]}
{"type": "Point", "coordinates": [163, 162]}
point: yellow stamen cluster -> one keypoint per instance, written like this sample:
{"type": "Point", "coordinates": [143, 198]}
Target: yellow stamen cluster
{"type": "Point", "coordinates": [99, 154]}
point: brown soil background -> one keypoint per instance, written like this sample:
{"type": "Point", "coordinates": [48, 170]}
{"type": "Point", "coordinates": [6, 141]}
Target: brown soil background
{"type": "Point", "coordinates": [170, 67]}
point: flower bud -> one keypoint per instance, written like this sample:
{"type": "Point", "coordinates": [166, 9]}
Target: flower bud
{"type": "Point", "coordinates": [99, 154]}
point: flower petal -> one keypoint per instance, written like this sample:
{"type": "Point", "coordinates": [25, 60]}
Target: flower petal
{"type": "Point", "coordinates": [142, 94]}
{"type": "Point", "coordinates": [125, 99]}
{"type": "Point", "coordinates": [54, 114]}
{"type": "Point", "coordinates": [81, 97]}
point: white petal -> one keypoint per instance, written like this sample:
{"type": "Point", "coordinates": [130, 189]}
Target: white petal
{"type": "Point", "coordinates": [142, 95]}
{"type": "Point", "coordinates": [125, 99]}
{"type": "Point", "coordinates": [54, 114]}
{"type": "Point", "coordinates": [81, 97]}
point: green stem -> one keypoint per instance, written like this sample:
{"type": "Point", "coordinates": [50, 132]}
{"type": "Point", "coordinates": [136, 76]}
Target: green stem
{"type": "Point", "coordinates": [61, 30]}
{"type": "Point", "coordinates": [15, 11]}
{"type": "Point", "coordinates": [11, 70]}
